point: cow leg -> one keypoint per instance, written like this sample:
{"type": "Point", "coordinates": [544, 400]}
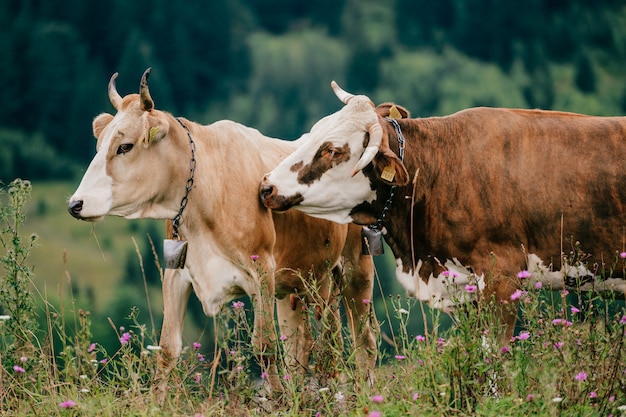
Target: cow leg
{"type": "Point", "coordinates": [499, 289]}
{"type": "Point", "coordinates": [331, 344]}
{"type": "Point", "coordinates": [264, 335]}
{"type": "Point", "coordinates": [298, 340]}
{"type": "Point", "coordinates": [362, 321]}
{"type": "Point", "coordinates": [176, 290]}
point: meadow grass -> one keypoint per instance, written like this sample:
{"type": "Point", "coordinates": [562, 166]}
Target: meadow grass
{"type": "Point", "coordinates": [566, 359]}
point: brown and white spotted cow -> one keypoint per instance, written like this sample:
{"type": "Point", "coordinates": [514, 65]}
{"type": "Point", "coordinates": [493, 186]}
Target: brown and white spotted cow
{"type": "Point", "coordinates": [480, 195]}
{"type": "Point", "coordinates": [236, 246]}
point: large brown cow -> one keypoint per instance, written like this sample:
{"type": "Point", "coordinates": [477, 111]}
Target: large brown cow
{"type": "Point", "coordinates": [150, 164]}
{"type": "Point", "coordinates": [484, 193]}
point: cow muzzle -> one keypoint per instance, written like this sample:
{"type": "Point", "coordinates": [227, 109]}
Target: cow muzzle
{"type": "Point", "coordinates": [268, 193]}
{"type": "Point", "coordinates": [75, 208]}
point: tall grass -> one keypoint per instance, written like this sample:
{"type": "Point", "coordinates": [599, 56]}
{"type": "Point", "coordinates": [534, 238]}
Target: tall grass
{"type": "Point", "coordinates": [566, 359]}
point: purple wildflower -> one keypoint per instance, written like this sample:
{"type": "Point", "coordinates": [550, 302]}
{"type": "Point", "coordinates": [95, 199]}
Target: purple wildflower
{"type": "Point", "coordinates": [238, 305]}
{"type": "Point", "coordinates": [67, 404]}
{"type": "Point", "coordinates": [125, 338]}
{"type": "Point", "coordinates": [420, 338]}
{"type": "Point", "coordinates": [471, 288]}
{"type": "Point", "coordinates": [196, 345]}
{"type": "Point", "coordinates": [523, 274]}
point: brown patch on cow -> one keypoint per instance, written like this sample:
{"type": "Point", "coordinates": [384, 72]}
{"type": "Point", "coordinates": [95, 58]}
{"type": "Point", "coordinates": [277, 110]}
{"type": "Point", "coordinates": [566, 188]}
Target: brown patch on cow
{"type": "Point", "coordinates": [296, 167]}
{"type": "Point", "coordinates": [324, 159]}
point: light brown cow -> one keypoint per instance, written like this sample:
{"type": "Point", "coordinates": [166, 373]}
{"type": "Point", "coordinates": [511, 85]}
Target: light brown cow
{"type": "Point", "coordinates": [143, 167]}
{"type": "Point", "coordinates": [473, 198]}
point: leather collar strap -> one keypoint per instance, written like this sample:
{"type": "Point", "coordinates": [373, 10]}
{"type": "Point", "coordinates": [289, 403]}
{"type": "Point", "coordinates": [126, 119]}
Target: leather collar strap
{"type": "Point", "coordinates": [379, 222]}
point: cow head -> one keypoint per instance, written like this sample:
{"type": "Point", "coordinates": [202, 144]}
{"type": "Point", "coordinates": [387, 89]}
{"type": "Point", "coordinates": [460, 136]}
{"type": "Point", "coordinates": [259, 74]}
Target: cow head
{"type": "Point", "coordinates": [129, 171]}
{"type": "Point", "coordinates": [325, 176]}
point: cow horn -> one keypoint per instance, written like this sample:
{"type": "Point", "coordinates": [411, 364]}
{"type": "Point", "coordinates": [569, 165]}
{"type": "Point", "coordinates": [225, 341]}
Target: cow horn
{"type": "Point", "coordinates": [341, 94]}
{"type": "Point", "coordinates": [376, 136]}
{"type": "Point", "coordinates": [144, 94]}
{"type": "Point", "coordinates": [114, 96]}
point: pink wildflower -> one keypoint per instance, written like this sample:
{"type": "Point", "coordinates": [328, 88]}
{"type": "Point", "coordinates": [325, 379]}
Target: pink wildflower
{"type": "Point", "coordinates": [504, 349]}
{"type": "Point", "coordinates": [378, 398]}
{"type": "Point", "coordinates": [67, 404]}
{"type": "Point", "coordinates": [238, 305]}
{"type": "Point", "coordinates": [366, 301]}
{"type": "Point", "coordinates": [593, 394]}
{"type": "Point", "coordinates": [400, 357]}
{"type": "Point", "coordinates": [558, 345]}
{"type": "Point", "coordinates": [263, 375]}
{"type": "Point", "coordinates": [622, 255]}
{"type": "Point", "coordinates": [19, 369]}
{"type": "Point", "coordinates": [538, 285]}
{"type": "Point", "coordinates": [287, 377]}
{"type": "Point", "coordinates": [530, 397]}
{"type": "Point", "coordinates": [92, 347]}
{"type": "Point", "coordinates": [523, 274]}
{"type": "Point", "coordinates": [254, 257]}
{"type": "Point", "coordinates": [516, 295]}
{"type": "Point", "coordinates": [283, 337]}
{"type": "Point", "coordinates": [574, 310]}
{"type": "Point", "coordinates": [416, 396]}
{"type": "Point", "coordinates": [450, 273]}
{"type": "Point", "coordinates": [581, 376]}
{"type": "Point", "coordinates": [471, 288]}
{"type": "Point", "coordinates": [375, 414]}
{"type": "Point", "coordinates": [523, 336]}
{"type": "Point", "coordinates": [420, 338]}
{"type": "Point", "coordinates": [622, 320]}
{"type": "Point", "coordinates": [125, 338]}
{"type": "Point", "coordinates": [200, 357]}
{"type": "Point", "coordinates": [196, 345]}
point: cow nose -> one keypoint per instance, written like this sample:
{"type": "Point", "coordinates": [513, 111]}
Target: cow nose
{"type": "Point", "coordinates": [266, 191]}
{"type": "Point", "coordinates": [75, 207]}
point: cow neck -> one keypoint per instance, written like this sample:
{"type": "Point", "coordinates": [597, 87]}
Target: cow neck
{"type": "Point", "coordinates": [189, 185]}
{"type": "Point", "coordinates": [378, 226]}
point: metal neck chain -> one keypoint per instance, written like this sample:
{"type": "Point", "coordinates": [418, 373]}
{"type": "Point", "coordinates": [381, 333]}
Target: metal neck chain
{"type": "Point", "coordinates": [379, 222]}
{"type": "Point", "coordinates": [189, 186]}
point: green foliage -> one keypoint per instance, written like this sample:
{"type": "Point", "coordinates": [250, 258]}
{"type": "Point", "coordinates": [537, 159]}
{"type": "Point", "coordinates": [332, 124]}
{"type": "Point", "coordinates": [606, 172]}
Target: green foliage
{"type": "Point", "coordinates": [16, 299]}
{"type": "Point", "coordinates": [269, 64]}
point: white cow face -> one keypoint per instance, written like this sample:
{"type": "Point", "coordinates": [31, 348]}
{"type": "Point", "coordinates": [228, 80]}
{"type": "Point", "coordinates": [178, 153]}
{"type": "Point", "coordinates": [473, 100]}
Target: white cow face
{"type": "Point", "coordinates": [324, 177]}
{"type": "Point", "coordinates": [129, 171]}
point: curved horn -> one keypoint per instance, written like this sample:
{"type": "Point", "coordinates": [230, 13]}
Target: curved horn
{"type": "Point", "coordinates": [114, 96]}
{"type": "Point", "coordinates": [144, 94]}
{"type": "Point", "coordinates": [376, 136]}
{"type": "Point", "coordinates": [341, 94]}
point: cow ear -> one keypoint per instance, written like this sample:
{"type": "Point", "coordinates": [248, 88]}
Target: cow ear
{"type": "Point", "coordinates": [100, 122]}
{"type": "Point", "coordinates": [389, 167]}
{"type": "Point", "coordinates": [155, 128]}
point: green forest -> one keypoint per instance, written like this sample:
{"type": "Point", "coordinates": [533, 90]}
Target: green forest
{"type": "Point", "coordinates": [269, 63]}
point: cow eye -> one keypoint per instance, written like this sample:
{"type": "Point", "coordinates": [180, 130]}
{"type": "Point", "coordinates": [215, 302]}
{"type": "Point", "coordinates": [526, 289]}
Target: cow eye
{"type": "Point", "coordinates": [124, 148]}
{"type": "Point", "coordinates": [331, 153]}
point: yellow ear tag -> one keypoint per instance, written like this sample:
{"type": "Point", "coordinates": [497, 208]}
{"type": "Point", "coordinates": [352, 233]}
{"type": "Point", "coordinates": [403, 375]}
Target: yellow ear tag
{"type": "Point", "coordinates": [388, 173]}
{"type": "Point", "coordinates": [394, 113]}
{"type": "Point", "coordinates": [152, 133]}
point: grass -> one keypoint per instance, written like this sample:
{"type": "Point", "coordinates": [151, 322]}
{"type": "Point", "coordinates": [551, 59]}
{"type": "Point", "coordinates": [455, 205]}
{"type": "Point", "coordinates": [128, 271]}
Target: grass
{"type": "Point", "coordinates": [566, 359]}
